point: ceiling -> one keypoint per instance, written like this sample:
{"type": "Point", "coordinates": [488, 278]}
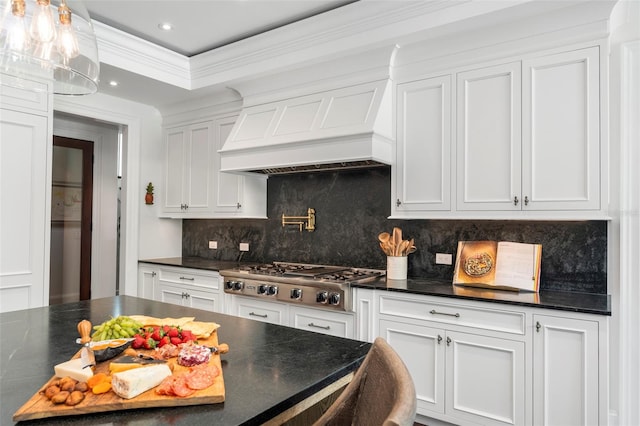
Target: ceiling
{"type": "Point", "coordinates": [197, 27]}
{"type": "Point", "coordinates": [203, 25]}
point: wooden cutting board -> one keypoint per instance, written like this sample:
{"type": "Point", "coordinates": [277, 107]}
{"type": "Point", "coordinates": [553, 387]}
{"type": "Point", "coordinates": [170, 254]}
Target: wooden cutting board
{"type": "Point", "coordinates": [39, 406]}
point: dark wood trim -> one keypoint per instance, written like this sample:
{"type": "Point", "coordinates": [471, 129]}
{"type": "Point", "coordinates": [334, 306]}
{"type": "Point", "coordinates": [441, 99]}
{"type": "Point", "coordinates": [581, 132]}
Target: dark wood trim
{"type": "Point", "coordinates": [87, 209]}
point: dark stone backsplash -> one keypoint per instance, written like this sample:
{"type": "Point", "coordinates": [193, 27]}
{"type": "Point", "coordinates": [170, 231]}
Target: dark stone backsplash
{"type": "Point", "coordinates": [352, 209]}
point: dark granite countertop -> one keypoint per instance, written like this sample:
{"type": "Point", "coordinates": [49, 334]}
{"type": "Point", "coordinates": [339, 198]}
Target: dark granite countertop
{"type": "Point", "coordinates": [193, 262]}
{"type": "Point", "coordinates": [268, 369]}
{"type": "Point", "coordinates": [590, 303]}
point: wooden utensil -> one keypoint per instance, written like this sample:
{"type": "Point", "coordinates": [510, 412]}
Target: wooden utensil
{"type": "Point", "coordinates": [397, 240]}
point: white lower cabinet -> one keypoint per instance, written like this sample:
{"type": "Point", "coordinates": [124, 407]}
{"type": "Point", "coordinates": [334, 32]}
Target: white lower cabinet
{"type": "Point", "coordinates": [195, 288]}
{"type": "Point", "coordinates": [566, 364]}
{"type": "Point", "coordinates": [334, 323]}
{"type": "Point", "coordinates": [481, 363]}
{"type": "Point", "coordinates": [147, 279]}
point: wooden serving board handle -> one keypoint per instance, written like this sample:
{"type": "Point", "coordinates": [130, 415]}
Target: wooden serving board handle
{"type": "Point", "coordinates": [84, 328]}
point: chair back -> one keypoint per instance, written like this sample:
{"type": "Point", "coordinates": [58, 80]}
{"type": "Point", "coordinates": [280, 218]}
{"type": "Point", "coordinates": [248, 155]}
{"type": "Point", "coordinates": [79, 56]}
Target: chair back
{"type": "Point", "coordinates": [381, 393]}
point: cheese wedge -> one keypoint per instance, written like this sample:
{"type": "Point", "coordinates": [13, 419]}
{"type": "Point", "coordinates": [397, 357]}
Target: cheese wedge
{"type": "Point", "coordinates": [73, 369]}
{"type": "Point", "coordinates": [131, 383]}
{"type": "Point", "coordinates": [129, 362]}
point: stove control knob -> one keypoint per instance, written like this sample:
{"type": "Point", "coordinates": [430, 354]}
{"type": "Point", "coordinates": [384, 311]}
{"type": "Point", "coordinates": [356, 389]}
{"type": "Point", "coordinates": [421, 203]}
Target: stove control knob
{"type": "Point", "coordinates": [296, 293]}
{"type": "Point", "coordinates": [272, 290]}
{"type": "Point", "coordinates": [262, 289]}
{"type": "Point", "coordinates": [237, 285]}
{"type": "Point", "coordinates": [322, 297]}
{"type": "Point", "coordinates": [334, 298]}
{"type": "Point", "coordinates": [229, 285]}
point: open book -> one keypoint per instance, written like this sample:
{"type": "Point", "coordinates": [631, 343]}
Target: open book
{"type": "Point", "coordinates": [499, 265]}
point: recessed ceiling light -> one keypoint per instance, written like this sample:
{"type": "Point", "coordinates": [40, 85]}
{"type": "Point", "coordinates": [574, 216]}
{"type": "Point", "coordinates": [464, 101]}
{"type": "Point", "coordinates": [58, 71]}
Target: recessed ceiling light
{"type": "Point", "coordinates": [165, 26]}
{"type": "Point", "coordinates": [113, 83]}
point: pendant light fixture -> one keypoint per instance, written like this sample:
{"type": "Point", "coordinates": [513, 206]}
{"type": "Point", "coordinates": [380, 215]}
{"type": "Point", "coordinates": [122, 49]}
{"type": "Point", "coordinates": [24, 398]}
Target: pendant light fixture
{"type": "Point", "coordinates": [51, 39]}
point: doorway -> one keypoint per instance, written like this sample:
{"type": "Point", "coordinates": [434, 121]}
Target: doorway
{"type": "Point", "coordinates": [71, 220]}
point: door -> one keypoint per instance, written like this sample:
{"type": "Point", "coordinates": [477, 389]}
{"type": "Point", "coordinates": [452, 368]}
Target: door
{"type": "Point", "coordinates": [488, 138]}
{"type": "Point", "coordinates": [71, 212]}
{"type": "Point", "coordinates": [423, 157]}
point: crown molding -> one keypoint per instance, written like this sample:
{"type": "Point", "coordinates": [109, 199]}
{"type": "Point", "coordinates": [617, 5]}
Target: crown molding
{"type": "Point", "coordinates": [356, 26]}
{"type": "Point", "coordinates": [125, 51]}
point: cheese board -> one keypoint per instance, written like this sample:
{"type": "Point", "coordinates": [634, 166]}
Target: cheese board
{"type": "Point", "coordinates": [39, 406]}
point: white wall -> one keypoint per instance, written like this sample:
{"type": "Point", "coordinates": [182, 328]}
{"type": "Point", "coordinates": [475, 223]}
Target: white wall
{"type": "Point", "coordinates": [143, 234]}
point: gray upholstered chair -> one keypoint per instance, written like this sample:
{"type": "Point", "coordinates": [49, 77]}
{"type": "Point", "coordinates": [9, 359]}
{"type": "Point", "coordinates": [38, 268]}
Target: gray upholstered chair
{"type": "Point", "coordinates": [381, 392]}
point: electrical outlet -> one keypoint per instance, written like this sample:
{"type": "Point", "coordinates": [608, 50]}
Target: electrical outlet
{"type": "Point", "coordinates": [213, 245]}
{"type": "Point", "coordinates": [244, 246]}
{"type": "Point", "coordinates": [444, 258]}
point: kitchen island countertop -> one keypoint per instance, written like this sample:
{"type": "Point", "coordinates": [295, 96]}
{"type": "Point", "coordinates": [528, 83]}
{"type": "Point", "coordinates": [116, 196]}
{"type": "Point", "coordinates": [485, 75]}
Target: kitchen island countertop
{"type": "Point", "coordinates": [268, 369]}
{"type": "Point", "coordinates": [599, 304]}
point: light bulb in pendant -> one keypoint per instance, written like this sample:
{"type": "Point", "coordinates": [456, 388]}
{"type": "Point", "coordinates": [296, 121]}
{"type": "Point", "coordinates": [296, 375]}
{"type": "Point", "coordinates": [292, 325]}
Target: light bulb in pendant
{"type": "Point", "coordinates": [67, 42]}
{"type": "Point", "coordinates": [13, 32]}
{"type": "Point", "coordinates": [43, 27]}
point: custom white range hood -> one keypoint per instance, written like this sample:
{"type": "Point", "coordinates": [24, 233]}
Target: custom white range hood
{"type": "Point", "coordinates": [346, 127]}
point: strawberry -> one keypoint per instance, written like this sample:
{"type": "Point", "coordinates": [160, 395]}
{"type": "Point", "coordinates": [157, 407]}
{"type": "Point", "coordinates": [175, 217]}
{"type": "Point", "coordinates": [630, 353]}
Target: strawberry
{"type": "Point", "coordinates": [157, 334]}
{"type": "Point", "coordinates": [164, 341]}
{"type": "Point", "coordinates": [187, 335]}
{"type": "Point", "coordinates": [176, 340]}
{"type": "Point", "coordinates": [149, 343]}
{"type": "Point", "coordinates": [138, 342]}
{"type": "Point", "coordinates": [173, 332]}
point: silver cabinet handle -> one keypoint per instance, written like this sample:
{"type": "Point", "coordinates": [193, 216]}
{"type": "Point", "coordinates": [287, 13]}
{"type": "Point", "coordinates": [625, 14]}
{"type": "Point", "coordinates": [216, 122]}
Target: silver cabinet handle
{"type": "Point", "coordinates": [185, 295]}
{"type": "Point", "coordinates": [324, 327]}
{"type": "Point", "coordinates": [238, 206]}
{"type": "Point", "coordinates": [538, 326]}
{"type": "Point", "coordinates": [515, 200]}
{"type": "Point", "coordinates": [439, 339]}
{"type": "Point", "coordinates": [398, 202]}
{"type": "Point", "coordinates": [526, 200]}
{"type": "Point", "coordinates": [253, 314]}
{"type": "Point", "coordinates": [434, 312]}
{"type": "Point", "coordinates": [187, 278]}
{"type": "Point", "coordinates": [448, 341]}
{"type": "Point", "coordinates": [153, 274]}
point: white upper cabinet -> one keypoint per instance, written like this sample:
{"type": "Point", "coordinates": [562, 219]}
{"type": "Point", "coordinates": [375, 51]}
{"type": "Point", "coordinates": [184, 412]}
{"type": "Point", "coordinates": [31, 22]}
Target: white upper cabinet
{"type": "Point", "coordinates": [194, 187]}
{"type": "Point", "coordinates": [236, 195]}
{"type": "Point", "coordinates": [524, 143]}
{"type": "Point", "coordinates": [561, 132]}
{"type": "Point", "coordinates": [488, 138]}
{"type": "Point", "coordinates": [423, 150]}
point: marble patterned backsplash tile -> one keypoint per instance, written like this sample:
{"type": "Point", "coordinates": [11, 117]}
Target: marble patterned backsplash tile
{"type": "Point", "coordinates": [352, 209]}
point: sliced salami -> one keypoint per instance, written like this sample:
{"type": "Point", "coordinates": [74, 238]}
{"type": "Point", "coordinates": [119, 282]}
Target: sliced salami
{"type": "Point", "coordinates": [180, 387]}
{"type": "Point", "coordinates": [201, 376]}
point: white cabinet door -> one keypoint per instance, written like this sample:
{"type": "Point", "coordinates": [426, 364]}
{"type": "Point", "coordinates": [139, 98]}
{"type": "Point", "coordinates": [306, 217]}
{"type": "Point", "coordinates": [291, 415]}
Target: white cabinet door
{"type": "Point", "coordinates": [485, 379]}
{"type": "Point", "coordinates": [561, 132]}
{"type": "Point", "coordinates": [341, 324]}
{"type": "Point", "coordinates": [188, 186]}
{"type": "Point", "coordinates": [422, 349]}
{"type": "Point", "coordinates": [24, 148]}
{"type": "Point", "coordinates": [175, 150]}
{"type": "Point", "coordinates": [489, 138]}
{"type": "Point", "coordinates": [207, 301]}
{"type": "Point", "coordinates": [566, 371]}
{"type": "Point", "coordinates": [169, 293]}
{"type": "Point", "coordinates": [147, 277]}
{"type": "Point", "coordinates": [423, 150]}
{"type": "Point", "coordinates": [229, 186]}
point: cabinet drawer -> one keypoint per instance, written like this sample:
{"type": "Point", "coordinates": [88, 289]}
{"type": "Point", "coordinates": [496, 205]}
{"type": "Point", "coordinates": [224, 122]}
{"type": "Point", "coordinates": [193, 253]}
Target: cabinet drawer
{"type": "Point", "coordinates": [190, 277]}
{"type": "Point", "coordinates": [332, 323]}
{"type": "Point", "coordinates": [259, 310]}
{"type": "Point", "coordinates": [451, 313]}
